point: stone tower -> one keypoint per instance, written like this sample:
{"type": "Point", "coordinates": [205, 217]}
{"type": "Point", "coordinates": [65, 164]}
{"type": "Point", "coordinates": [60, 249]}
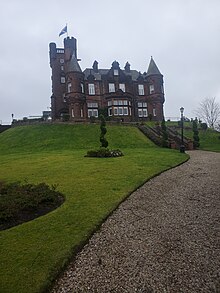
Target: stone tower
{"type": "Point", "coordinates": [155, 87]}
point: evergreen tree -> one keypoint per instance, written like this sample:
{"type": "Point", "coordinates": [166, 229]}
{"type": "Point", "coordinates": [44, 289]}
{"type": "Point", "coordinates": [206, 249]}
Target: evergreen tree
{"type": "Point", "coordinates": [103, 140]}
{"type": "Point", "coordinates": [164, 134]}
{"type": "Point", "coordinates": [196, 143]}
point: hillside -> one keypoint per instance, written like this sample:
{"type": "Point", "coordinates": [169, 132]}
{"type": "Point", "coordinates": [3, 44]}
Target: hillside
{"type": "Point", "coordinates": [209, 139]}
{"type": "Point", "coordinates": [33, 253]}
{"type": "Point", "coordinates": [66, 137]}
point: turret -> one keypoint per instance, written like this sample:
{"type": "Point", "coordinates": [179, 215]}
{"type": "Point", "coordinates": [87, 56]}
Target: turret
{"type": "Point", "coordinates": [53, 51]}
{"type": "Point", "coordinates": [154, 81]}
{"type": "Point", "coordinates": [70, 46]}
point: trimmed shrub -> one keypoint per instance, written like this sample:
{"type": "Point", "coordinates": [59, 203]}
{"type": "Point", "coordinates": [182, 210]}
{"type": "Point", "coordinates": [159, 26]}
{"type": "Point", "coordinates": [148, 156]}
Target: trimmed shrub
{"type": "Point", "coordinates": [103, 140]}
{"type": "Point", "coordinates": [104, 153]}
{"type": "Point", "coordinates": [196, 143]}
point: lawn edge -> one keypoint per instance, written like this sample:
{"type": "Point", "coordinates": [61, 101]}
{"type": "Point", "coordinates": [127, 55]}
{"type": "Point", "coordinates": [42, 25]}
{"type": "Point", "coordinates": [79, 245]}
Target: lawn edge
{"type": "Point", "coordinates": [57, 274]}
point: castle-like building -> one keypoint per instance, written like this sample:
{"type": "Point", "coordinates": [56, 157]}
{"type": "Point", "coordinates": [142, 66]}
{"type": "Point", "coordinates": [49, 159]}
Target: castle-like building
{"type": "Point", "coordinates": [123, 94]}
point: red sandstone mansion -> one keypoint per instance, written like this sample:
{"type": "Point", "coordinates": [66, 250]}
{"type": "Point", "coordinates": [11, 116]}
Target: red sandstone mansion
{"type": "Point", "coordinates": [123, 94]}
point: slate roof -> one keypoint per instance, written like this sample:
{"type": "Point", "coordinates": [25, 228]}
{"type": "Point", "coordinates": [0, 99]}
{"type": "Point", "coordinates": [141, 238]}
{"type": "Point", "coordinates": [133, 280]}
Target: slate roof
{"type": "Point", "coordinates": [98, 75]}
{"type": "Point", "coordinates": [73, 65]}
{"type": "Point", "coordinates": [153, 69]}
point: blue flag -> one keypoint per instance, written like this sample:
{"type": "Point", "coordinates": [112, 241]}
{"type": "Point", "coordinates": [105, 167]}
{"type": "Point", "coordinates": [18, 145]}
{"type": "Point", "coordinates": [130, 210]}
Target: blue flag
{"type": "Point", "coordinates": [64, 31]}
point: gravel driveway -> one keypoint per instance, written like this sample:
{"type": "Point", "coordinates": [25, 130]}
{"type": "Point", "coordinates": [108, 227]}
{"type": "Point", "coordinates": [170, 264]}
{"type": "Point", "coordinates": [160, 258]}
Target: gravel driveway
{"type": "Point", "coordinates": [163, 238]}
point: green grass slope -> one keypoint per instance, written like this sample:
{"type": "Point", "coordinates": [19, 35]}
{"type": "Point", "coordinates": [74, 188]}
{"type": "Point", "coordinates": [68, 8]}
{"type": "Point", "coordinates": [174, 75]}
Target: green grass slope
{"type": "Point", "coordinates": [33, 253]}
{"type": "Point", "coordinates": [209, 139]}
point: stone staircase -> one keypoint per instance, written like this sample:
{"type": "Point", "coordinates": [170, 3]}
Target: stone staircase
{"type": "Point", "coordinates": [174, 137]}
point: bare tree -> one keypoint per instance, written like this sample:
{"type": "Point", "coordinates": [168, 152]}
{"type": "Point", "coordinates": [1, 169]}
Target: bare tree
{"type": "Point", "coordinates": [209, 111]}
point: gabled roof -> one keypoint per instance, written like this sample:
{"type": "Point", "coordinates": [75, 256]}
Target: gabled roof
{"type": "Point", "coordinates": [152, 68]}
{"type": "Point", "coordinates": [73, 65]}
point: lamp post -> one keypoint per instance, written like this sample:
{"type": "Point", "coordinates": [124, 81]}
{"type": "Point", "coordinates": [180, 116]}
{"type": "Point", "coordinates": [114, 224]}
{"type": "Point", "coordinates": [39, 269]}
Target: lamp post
{"type": "Point", "coordinates": [182, 147]}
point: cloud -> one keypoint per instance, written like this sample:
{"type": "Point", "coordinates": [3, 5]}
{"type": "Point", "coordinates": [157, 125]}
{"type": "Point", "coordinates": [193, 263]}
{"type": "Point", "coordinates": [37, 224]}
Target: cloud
{"type": "Point", "coordinates": [182, 36]}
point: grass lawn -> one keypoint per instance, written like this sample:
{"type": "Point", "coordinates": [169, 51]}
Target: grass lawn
{"type": "Point", "coordinates": [33, 253]}
{"type": "Point", "coordinates": [209, 139]}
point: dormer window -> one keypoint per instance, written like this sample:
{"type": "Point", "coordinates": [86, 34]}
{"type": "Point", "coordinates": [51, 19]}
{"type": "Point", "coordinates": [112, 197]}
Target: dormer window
{"type": "Point", "coordinates": [91, 89]}
{"type": "Point", "coordinates": [151, 88]}
{"type": "Point", "coordinates": [116, 72]}
{"type": "Point", "coordinates": [111, 87]}
{"type": "Point", "coordinates": [141, 90]}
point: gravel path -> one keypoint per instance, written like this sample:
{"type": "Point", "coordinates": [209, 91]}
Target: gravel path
{"type": "Point", "coordinates": [163, 238]}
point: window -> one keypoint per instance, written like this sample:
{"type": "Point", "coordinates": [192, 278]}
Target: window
{"type": "Point", "coordinates": [140, 113]}
{"type": "Point", "coordinates": [92, 113]}
{"type": "Point", "coordinates": [144, 112]}
{"type": "Point", "coordinates": [81, 113]}
{"type": "Point", "coordinates": [162, 89]}
{"type": "Point", "coordinates": [92, 105]}
{"type": "Point", "coordinates": [125, 111]}
{"type": "Point", "coordinates": [115, 71]}
{"type": "Point", "coordinates": [142, 109]}
{"type": "Point", "coordinates": [72, 113]}
{"type": "Point", "coordinates": [141, 89]}
{"type": "Point", "coordinates": [62, 68]}
{"type": "Point", "coordinates": [109, 111]}
{"type": "Point", "coordinates": [61, 61]}
{"type": "Point", "coordinates": [82, 87]}
{"type": "Point", "coordinates": [116, 111]}
{"type": "Point", "coordinates": [111, 87]}
{"type": "Point", "coordinates": [69, 87]}
{"type": "Point", "coordinates": [154, 112]}
{"type": "Point", "coordinates": [151, 88]}
{"type": "Point", "coordinates": [120, 111]}
{"type": "Point", "coordinates": [91, 89]}
{"type": "Point", "coordinates": [62, 79]}
{"type": "Point", "coordinates": [122, 86]}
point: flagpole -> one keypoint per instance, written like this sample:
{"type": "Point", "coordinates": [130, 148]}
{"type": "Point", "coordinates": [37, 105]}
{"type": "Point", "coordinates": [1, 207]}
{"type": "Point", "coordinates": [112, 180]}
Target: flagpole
{"type": "Point", "coordinates": [67, 30]}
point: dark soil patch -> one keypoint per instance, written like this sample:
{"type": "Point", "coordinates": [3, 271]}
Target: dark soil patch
{"type": "Point", "coordinates": [22, 203]}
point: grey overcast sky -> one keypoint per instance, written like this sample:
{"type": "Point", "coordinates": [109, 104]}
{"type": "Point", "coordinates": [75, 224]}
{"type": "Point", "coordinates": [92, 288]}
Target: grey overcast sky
{"type": "Point", "coordinates": [183, 36]}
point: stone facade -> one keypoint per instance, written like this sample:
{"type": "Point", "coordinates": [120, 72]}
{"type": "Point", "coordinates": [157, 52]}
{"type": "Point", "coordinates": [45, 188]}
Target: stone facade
{"type": "Point", "coordinates": [120, 94]}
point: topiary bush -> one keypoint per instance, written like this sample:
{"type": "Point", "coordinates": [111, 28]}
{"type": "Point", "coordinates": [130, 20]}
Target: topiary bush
{"type": "Point", "coordinates": [103, 152]}
{"type": "Point", "coordinates": [196, 143]}
{"type": "Point", "coordinates": [103, 140]}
